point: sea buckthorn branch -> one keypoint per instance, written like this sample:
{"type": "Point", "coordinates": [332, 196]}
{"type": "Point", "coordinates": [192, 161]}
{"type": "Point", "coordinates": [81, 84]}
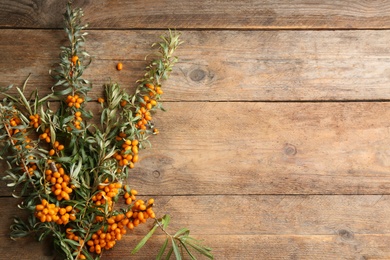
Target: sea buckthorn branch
{"type": "Point", "coordinates": [73, 57]}
{"type": "Point", "coordinates": [72, 173]}
{"type": "Point", "coordinates": [181, 242]}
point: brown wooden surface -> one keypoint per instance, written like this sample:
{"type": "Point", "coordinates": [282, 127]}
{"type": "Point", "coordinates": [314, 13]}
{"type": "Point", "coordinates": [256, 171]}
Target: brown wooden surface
{"type": "Point", "coordinates": [276, 142]}
{"type": "Point", "coordinates": [251, 14]}
{"type": "Point", "coordinates": [215, 66]}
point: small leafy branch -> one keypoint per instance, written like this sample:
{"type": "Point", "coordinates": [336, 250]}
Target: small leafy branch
{"type": "Point", "coordinates": [70, 170]}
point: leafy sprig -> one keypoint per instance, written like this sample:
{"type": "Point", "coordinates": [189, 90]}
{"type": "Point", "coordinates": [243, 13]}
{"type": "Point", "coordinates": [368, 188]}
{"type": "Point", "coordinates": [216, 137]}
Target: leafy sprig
{"type": "Point", "coordinates": [71, 173]}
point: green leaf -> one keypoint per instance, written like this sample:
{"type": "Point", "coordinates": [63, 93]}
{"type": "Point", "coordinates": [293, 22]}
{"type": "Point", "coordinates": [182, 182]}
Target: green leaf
{"type": "Point", "coordinates": [187, 250]}
{"type": "Point", "coordinates": [169, 253]}
{"type": "Point", "coordinates": [162, 249]}
{"type": "Point", "coordinates": [182, 232]}
{"type": "Point", "coordinates": [175, 249]}
{"type": "Point", "coordinates": [165, 221]}
{"type": "Point", "coordinates": [24, 101]}
{"type": "Point", "coordinates": [144, 240]}
{"type": "Point", "coordinates": [201, 249]}
{"type": "Point", "coordinates": [74, 172]}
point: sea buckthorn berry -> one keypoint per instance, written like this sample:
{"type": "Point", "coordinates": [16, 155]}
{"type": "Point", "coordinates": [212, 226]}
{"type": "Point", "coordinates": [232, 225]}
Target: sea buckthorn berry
{"type": "Point", "coordinates": [150, 86]}
{"type": "Point", "coordinates": [101, 100]}
{"type": "Point", "coordinates": [74, 59]}
{"type": "Point", "coordinates": [123, 103]}
{"type": "Point", "coordinates": [119, 66]}
{"type": "Point", "coordinates": [159, 90]}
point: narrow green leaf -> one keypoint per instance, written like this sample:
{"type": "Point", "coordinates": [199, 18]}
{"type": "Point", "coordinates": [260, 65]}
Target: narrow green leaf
{"type": "Point", "coordinates": [165, 221]}
{"type": "Point", "coordinates": [169, 254]}
{"type": "Point", "coordinates": [183, 231]}
{"type": "Point", "coordinates": [144, 240]}
{"type": "Point", "coordinates": [187, 250]}
{"type": "Point", "coordinates": [176, 249]}
{"type": "Point", "coordinates": [201, 249]}
{"type": "Point", "coordinates": [162, 249]}
{"type": "Point", "coordinates": [25, 103]}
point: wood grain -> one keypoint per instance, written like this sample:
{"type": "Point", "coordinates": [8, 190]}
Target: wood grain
{"type": "Point", "coordinates": [204, 14]}
{"type": "Point", "coordinates": [275, 144]}
{"type": "Point", "coordinates": [261, 66]}
{"type": "Point", "coordinates": [282, 227]}
{"type": "Point", "coordinates": [266, 148]}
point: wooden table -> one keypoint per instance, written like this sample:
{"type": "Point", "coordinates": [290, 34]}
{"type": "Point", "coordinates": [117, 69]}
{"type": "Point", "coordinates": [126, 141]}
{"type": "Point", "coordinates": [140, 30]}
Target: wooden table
{"type": "Point", "coordinates": [276, 140]}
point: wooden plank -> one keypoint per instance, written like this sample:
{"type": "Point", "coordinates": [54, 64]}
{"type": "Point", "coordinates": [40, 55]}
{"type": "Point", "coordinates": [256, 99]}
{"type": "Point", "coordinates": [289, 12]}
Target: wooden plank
{"type": "Point", "coordinates": [241, 227]}
{"type": "Point", "coordinates": [253, 14]}
{"type": "Point", "coordinates": [266, 148]}
{"type": "Point", "coordinates": [368, 247]}
{"type": "Point", "coordinates": [256, 65]}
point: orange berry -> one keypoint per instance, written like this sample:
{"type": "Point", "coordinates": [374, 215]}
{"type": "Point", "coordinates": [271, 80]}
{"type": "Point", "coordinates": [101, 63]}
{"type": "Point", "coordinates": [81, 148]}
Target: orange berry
{"type": "Point", "coordinates": [111, 220]}
{"type": "Point", "coordinates": [98, 249]}
{"type": "Point", "coordinates": [150, 86]}
{"type": "Point", "coordinates": [39, 207]}
{"type": "Point", "coordinates": [114, 226]}
{"type": "Point", "coordinates": [119, 66]}
{"type": "Point", "coordinates": [74, 59]}
{"type": "Point", "coordinates": [130, 225]}
{"type": "Point", "coordinates": [123, 103]}
{"type": "Point", "coordinates": [62, 211]}
{"type": "Point", "coordinates": [159, 90]}
{"type": "Point", "coordinates": [101, 100]}
{"type": "Point", "coordinates": [129, 214]}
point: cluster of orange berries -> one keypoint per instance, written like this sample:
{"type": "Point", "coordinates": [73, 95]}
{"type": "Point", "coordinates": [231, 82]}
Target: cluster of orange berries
{"type": "Point", "coordinates": [59, 180]}
{"type": "Point", "coordinates": [45, 135]}
{"type": "Point", "coordinates": [130, 195]}
{"type": "Point", "coordinates": [106, 194]}
{"type": "Point", "coordinates": [49, 212]}
{"type": "Point", "coordinates": [106, 237]}
{"type": "Point", "coordinates": [154, 89]}
{"type": "Point", "coordinates": [13, 122]}
{"type": "Point", "coordinates": [56, 146]}
{"type": "Point", "coordinates": [129, 153]}
{"type": "Point", "coordinates": [72, 236]}
{"type": "Point", "coordinates": [31, 167]}
{"type": "Point", "coordinates": [35, 120]}
{"type": "Point", "coordinates": [77, 120]}
{"type": "Point", "coordinates": [74, 101]}
{"type": "Point", "coordinates": [144, 116]}
{"type": "Point", "coordinates": [148, 103]}
{"type": "Point", "coordinates": [142, 211]}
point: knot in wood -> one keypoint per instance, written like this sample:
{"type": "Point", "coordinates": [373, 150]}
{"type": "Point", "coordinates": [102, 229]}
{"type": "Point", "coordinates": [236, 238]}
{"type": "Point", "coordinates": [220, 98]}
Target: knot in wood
{"type": "Point", "coordinates": [290, 150]}
{"type": "Point", "coordinates": [197, 75]}
{"type": "Point", "coordinates": [345, 234]}
{"type": "Point", "coordinates": [156, 174]}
